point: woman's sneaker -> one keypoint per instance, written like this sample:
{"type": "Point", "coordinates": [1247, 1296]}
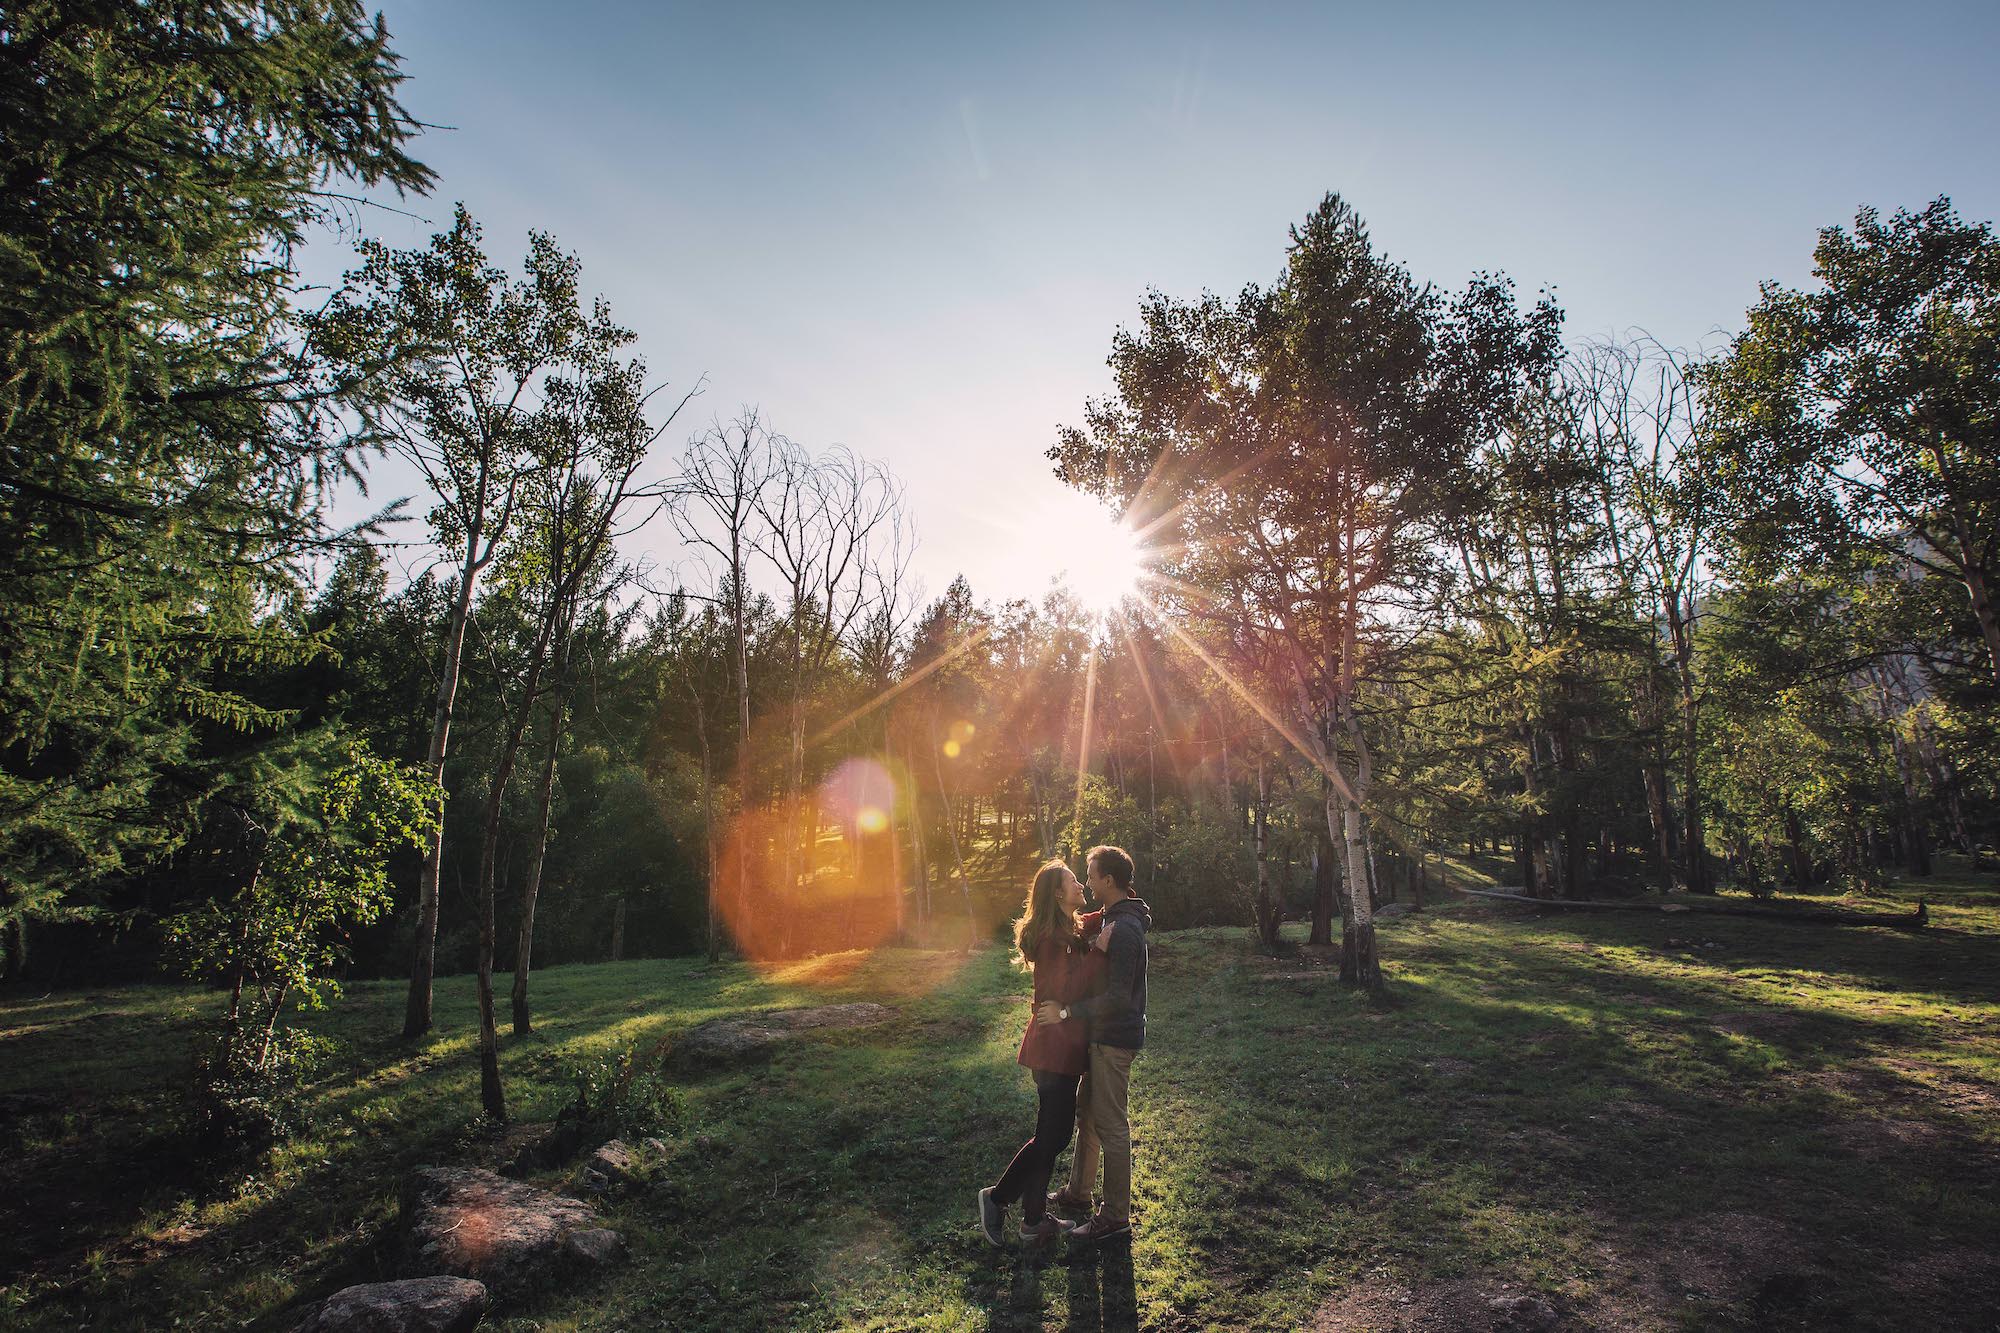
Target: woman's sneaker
{"type": "Point", "coordinates": [1042, 1233]}
{"type": "Point", "coordinates": [992, 1219]}
{"type": "Point", "coordinates": [1068, 1205]}
{"type": "Point", "coordinates": [1098, 1230]}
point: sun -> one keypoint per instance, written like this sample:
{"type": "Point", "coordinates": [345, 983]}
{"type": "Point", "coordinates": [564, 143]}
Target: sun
{"type": "Point", "coordinates": [1101, 560]}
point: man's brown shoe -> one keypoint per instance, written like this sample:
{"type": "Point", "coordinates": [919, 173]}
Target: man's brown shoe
{"type": "Point", "coordinates": [1063, 1202]}
{"type": "Point", "coordinates": [1098, 1230]}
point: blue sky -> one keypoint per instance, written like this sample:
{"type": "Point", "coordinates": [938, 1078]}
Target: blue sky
{"type": "Point", "coordinates": [913, 229]}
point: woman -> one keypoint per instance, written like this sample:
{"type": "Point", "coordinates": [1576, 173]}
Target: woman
{"type": "Point", "coordinates": [1053, 942]}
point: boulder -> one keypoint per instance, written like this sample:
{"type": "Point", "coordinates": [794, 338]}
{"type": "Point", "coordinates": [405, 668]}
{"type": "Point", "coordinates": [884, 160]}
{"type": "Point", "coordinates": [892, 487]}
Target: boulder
{"type": "Point", "coordinates": [618, 1167]}
{"type": "Point", "coordinates": [510, 1236]}
{"type": "Point", "coordinates": [414, 1305]}
{"type": "Point", "coordinates": [727, 1041]}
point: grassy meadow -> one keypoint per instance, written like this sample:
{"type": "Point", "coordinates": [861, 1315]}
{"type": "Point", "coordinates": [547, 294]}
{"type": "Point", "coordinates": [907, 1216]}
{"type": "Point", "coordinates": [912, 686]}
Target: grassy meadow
{"type": "Point", "coordinates": [1612, 1120]}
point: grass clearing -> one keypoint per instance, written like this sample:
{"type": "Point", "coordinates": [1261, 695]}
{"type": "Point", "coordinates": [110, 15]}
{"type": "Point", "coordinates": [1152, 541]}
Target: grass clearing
{"type": "Point", "coordinates": [1613, 1120]}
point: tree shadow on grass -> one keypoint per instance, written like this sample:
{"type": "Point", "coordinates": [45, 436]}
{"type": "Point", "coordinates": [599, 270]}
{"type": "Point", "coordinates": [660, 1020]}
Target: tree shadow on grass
{"type": "Point", "coordinates": [1529, 1109]}
{"type": "Point", "coordinates": [1938, 959]}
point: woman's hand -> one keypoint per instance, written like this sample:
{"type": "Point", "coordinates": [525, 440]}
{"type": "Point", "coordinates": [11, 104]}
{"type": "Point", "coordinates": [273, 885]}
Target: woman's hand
{"type": "Point", "coordinates": [1049, 1012]}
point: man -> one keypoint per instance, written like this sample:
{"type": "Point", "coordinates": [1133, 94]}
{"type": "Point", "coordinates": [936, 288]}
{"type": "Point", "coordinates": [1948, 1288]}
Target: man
{"type": "Point", "coordinates": [1117, 1027]}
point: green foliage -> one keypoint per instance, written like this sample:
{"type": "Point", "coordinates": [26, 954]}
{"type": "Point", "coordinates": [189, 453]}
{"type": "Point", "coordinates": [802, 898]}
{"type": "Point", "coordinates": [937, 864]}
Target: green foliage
{"type": "Point", "coordinates": [1862, 413]}
{"type": "Point", "coordinates": [318, 875]}
{"type": "Point", "coordinates": [322, 871]}
{"type": "Point", "coordinates": [168, 426]}
{"type": "Point", "coordinates": [626, 1094]}
{"type": "Point", "coordinates": [1205, 872]}
{"type": "Point", "coordinates": [1098, 814]}
{"type": "Point", "coordinates": [251, 1092]}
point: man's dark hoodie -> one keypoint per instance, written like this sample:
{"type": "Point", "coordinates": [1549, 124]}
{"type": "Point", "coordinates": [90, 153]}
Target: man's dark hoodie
{"type": "Point", "coordinates": [1118, 1017]}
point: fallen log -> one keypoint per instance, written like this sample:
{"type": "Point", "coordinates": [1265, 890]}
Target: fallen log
{"type": "Point", "coordinates": [1825, 917]}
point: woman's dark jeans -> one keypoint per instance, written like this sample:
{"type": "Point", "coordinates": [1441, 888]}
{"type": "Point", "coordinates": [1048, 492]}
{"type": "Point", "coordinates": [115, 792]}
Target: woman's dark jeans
{"type": "Point", "coordinates": [1027, 1176]}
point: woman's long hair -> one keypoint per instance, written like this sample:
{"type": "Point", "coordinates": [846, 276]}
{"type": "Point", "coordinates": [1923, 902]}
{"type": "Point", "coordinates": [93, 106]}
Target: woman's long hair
{"type": "Point", "coordinates": [1043, 916]}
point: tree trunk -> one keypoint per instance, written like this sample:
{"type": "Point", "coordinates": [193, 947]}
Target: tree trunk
{"type": "Point", "coordinates": [233, 1025]}
{"type": "Point", "coordinates": [1267, 910]}
{"type": "Point", "coordinates": [1694, 842]}
{"type": "Point", "coordinates": [1982, 610]}
{"type": "Point", "coordinates": [919, 857]}
{"type": "Point", "coordinates": [618, 930]}
{"type": "Point", "coordinates": [951, 825]}
{"type": "Point", "coordinates": [16, 942]}
{"type": "Point", "coordinates": [707, 825]}
{"type": "Point", "coordinates": [1569, 848]}
{"type": "Point", "coordinates": [1653, 768]}
{"type": "Point", "coordinates": [270, 1026]}
{"type": "Point", "coordinates": [531, 887]}
{"type": "Point", "coordinates": [1916, 841]}
{"type": "Point", "coordinates": [491, 1096]}
{"type": "Point", "coordinates": [1361, 924]}
{"type": "Point", "coordinates": [1326, 885]}
{"type": "Point", "coordinates": [738, 596]}
{"type": "Point", "coordinates": [423, 960]}
{"type": "Point", "coordinates": [1944, 786]}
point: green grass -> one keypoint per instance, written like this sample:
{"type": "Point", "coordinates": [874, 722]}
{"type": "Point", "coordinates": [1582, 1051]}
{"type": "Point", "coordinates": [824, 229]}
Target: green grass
{"type": "Point", "coordinates": [1676, 1121]}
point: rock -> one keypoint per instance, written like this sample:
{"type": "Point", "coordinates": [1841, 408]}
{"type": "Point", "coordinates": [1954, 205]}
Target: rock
{"type": "Point", "coordinates": [597, 1247]}
{"type": "Point", "coordinates": [1390, 911]}
{"type": "Point", "coordinates": [414, 1305]}
{"type": "Point", "coordinates": [728, 1041]}
{"type": "Point", "coordinates": [1524, 1314]}
{"type": "Point", "coordinates": [511, 1236]}
{"type": "Point", "coordinates": [617, 1167]}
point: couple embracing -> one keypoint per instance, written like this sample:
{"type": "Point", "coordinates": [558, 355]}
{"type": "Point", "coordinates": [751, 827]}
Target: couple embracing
{"type": "Point", "coordinates": [1089, 1022]}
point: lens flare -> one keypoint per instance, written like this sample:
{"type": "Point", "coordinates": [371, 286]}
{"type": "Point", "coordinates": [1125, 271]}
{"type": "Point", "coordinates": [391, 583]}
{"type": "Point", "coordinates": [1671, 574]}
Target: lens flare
{"type": "Point", "coordinates": [822, 877]}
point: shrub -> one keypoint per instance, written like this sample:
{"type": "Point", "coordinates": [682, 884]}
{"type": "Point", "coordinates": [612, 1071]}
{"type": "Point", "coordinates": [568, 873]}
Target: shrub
{"type": "Point", "coordinates": [626, 1094]}
{"type": "Point", "coordinates": [250, 1093]}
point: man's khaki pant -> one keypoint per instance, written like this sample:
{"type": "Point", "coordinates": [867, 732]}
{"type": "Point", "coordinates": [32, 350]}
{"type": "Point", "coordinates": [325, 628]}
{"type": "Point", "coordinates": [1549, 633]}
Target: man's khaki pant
{"type": "Point", "coordinates": [1102, 1125]}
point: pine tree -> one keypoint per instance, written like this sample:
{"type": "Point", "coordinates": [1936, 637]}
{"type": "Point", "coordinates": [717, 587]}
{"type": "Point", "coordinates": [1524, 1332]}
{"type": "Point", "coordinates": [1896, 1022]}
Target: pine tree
{"type": "Point", "coordinates": [165, 429]}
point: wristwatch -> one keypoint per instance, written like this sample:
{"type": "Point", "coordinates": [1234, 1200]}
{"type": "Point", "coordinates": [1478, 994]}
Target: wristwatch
{"type": "Point", "coordinates": [1063, 1013]}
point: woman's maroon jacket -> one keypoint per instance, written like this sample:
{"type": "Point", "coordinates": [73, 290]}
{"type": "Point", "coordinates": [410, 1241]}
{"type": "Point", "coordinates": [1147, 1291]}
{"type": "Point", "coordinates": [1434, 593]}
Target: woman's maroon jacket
{"type": "Point", "coordinates": [1065, 973]}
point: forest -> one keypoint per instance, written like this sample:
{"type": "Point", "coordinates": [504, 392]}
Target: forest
{"type": "Point", "coordinates": [1406, 591]}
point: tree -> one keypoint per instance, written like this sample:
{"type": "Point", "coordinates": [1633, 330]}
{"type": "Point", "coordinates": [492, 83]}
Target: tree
{"type": "Point", "coordinates": [1637, 404]}
{"type": "Point", "coordinates": [723, 472]}
{"type": "Point", "coordinates": [1289, 452]}
{"type": "Point", "coordinates": [466, 353]}
{"type": "Point", "coordinates": [168, 423]}
{"type": "Point", "coordinates": [1866, 413]}
{"type": "Point", "coordinates": [314, 874]}
{"type": "Point", "coordinates": [593, 437]}
{"type": "Point", "coordinates": [828, 522]}
{"type": "Point", "coordinates": [587, 441]}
